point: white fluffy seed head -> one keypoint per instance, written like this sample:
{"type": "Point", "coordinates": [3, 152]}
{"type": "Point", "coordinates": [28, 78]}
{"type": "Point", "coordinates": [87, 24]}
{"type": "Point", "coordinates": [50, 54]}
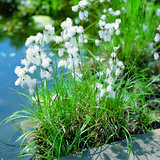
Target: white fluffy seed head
{"type": "Point", "coordinates": [156, 56]}
{"type": "Point", "coordinates": [113, 54]}
{"type": "Point", "coordinates": [75, 8]}
{"type": "Point", "coordinates": [97, 42]}
{"type": "Point", "coordinates": [32, 69]}
{"type": "Point", "coordinates": [83, 3]}
{"type": "Point", "coordinates": [157, 37]}
{"type": "Point", "coordinates": [62, 63]}
{"type": "Point", "coordinates": [61, 52]}
{"type": "Point", "coordinates": [30, 40]}
{"type": "Point", "coordinates": [158, 12]}
{"type": "Point", "coordinates": [158, 28]}
{"type": "Point", "coordinates": [49, 29]}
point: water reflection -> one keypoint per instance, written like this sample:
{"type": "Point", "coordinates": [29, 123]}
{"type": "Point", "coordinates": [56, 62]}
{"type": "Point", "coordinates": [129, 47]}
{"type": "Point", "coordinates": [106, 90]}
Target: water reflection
{"type": "Point", "coordinates": [16, 32]}
{"type": "Point", "coordinates": [10, 101]}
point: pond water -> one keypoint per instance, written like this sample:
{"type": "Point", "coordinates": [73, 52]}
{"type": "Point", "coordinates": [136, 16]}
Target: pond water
{"type": "Point", "coordinates": [10, 101]}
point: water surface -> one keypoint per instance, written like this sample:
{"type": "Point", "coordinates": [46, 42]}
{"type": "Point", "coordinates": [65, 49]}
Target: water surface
{"type": "Point", "coordinates": [10, 101]}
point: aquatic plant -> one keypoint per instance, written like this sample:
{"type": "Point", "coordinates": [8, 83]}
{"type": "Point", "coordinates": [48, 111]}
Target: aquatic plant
{"type": "Point", "coordinates": [90, 90]}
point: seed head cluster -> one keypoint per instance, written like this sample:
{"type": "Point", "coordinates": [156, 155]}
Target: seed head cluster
{"type": "Point", "coordinates": [69, 43]}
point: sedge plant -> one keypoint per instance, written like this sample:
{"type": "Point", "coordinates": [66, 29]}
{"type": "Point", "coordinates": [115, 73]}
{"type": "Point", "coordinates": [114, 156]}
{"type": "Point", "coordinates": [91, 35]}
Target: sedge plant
{"type": "Point", "coordinates": [89, 89]}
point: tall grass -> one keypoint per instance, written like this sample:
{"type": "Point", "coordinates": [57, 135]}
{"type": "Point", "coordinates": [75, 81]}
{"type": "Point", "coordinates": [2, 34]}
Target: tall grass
{"type": "Point", "coordinates": [73, 120]}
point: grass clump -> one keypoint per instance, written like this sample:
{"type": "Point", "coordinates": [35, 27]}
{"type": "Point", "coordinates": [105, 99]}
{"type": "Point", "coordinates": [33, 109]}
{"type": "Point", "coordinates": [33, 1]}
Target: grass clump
{"type": "Point", "coordinates": [93, 87]}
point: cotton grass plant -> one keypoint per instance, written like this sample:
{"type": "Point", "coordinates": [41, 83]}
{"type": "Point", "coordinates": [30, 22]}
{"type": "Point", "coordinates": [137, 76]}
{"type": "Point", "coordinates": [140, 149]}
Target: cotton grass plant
{"type": "Point", "coordinates": [90, 90]}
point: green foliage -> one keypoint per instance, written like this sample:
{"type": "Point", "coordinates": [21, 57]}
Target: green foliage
{"type": "Point", "coordinates": [73, 121]}
{"type": "Point", "coordinates": [68, 116]}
